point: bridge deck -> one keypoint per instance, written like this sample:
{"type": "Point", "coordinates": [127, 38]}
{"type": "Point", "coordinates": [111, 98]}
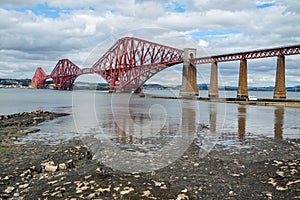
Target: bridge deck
{"type": "Point", "coordinates": [262, 53]}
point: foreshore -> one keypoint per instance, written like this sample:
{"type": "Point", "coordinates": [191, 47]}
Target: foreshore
{"type": "Point", "coordinates": [259, 168]}
{"type": "Point", "coordinates": [293, 103]}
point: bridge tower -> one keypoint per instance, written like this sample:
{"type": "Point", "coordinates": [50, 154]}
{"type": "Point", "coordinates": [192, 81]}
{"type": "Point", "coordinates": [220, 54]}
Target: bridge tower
{"type": "Point", "coordinates": [64, 74]}
{"type": "Point", "coordinates": [189, 75]}
{"type": "Point", "coordinates": [38, 80]}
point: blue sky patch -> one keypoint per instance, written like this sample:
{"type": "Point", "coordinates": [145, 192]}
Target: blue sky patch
{"type": "Point", "coordinates": [222, 34]}
{"type": "Point", "coordinates": [175, 6]}
{"type": "Point", "coordinates": [43, 9]}
{"type": "Point", "coordinates": [266, 5]}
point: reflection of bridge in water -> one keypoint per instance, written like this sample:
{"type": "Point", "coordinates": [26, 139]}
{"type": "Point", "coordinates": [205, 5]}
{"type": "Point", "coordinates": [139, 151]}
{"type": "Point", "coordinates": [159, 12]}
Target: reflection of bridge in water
{"type": "Point", "coordinates": [140, 129]}
{"type": "Point", "coordinates": [153, 130]}
{"type": "Point", "coordinates": [241, 133]}
{"type": "Point", "coordinates": [130, 62]}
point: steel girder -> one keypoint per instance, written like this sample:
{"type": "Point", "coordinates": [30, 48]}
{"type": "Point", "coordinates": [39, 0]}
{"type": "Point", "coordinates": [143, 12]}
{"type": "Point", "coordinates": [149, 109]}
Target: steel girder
{"type": "Point", "coordinates": [263, 53]}
{"type": "Point", "coordinates": [64, 74]}
{"type": "Point", "coordinates": [130, 62]}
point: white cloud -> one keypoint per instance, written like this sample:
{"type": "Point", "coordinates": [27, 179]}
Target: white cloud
{"type": "Point", "coordinates": [203, 43]}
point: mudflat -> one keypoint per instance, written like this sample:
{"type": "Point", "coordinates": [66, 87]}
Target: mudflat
{"type": "Point", "coordinates": [266, 169]}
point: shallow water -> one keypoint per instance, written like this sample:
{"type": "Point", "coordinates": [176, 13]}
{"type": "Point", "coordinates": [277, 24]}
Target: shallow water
{"type": "Point", "coordinates": [149, 123]}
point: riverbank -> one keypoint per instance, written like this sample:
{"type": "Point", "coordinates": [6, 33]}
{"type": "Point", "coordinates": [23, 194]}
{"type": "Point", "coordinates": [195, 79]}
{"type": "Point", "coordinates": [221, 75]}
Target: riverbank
{"type": "Point", "coordinates": [292, 103]}
{"type": "Point", "coordinates": [259, 168]}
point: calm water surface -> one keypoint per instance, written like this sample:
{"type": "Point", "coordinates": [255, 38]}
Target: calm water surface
{"type": "Point", "coordinates": [147, 122]}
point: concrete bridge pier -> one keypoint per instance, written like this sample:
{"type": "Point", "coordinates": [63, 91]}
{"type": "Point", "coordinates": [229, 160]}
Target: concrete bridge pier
{"type": "Point", "coordinates": [243, 82]}
{"type": "Point", "coordinates": [213, 88]}
{"type": "Point", "coordinates": [280, 92]}
{"type": "Point", "coordinates": [189, 75]}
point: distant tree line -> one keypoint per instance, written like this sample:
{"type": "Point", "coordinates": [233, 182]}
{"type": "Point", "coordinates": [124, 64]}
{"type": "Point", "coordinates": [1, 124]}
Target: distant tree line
{"type": "Point", "coordinates": [23, 82]}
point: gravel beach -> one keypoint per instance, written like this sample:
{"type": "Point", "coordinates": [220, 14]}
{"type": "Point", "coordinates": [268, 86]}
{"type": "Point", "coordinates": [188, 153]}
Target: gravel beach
{"type": "Point", "coordinates": [267, 169]}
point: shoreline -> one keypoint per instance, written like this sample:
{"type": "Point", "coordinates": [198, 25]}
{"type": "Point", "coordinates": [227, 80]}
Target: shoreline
{"type": "Point", "coordinates": [292, 103]}
{"type": "Point", "coordinates": [262, 168]}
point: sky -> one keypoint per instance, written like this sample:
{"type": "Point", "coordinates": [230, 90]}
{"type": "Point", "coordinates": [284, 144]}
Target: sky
{"type": "Point", "coordinates": [38, 33]}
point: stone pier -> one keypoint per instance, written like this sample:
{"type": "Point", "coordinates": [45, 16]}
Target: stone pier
{"type": "Point", "coordinates": [213, 88]}
{"type": "Point", "coordinates": [189, 75]}
{"type": "Point", "coordinates": [280, 92]}
{"type": "Point", "coordinates": [243, 83]}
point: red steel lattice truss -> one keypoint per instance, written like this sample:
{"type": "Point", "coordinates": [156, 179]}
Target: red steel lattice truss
{"type": "Point", "coordinates": [64, 74]}
{"type": "Point", "coordinates": [130, 62]}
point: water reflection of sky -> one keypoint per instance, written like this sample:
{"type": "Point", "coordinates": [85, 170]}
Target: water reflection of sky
{"type": "Point", "coordinates": [231, 122]}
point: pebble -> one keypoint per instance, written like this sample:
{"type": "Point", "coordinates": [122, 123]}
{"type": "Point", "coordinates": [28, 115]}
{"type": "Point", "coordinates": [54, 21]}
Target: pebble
{"type": "Point", "coordinates": [184, 190]}
{"type": "Point", "coordinates": [62, 166]}
{"type": "Point", "coordinates": [279, 188]}
{"type": "Point", "coordinates": [6, 178]}
{"type": "Point", "coordinates": [293, 182]}
{"type": "Point", "coordinates": [84, 188]}
{"type": "Point", "coordinates": [158, 184]}
{"type": "Point", "coordinates": [146, 193]}
{"type": "Point", "coordinates": [9, 189]}
{"type": "Point", "coordinates": [56, 194]}
{"type": "Point", "coordinates": [272, 181]}
{"type": "Point", "coordinates": [46, 193]}
{"type": "Point", "coordinates": [16, 194]}
{"type": "Point", "coordinates": [280, 173]}
{"type": "Point", "coordinates": [92, 196]}
{"type": "Point", "coordinates": [127, 190]}
{"type": "Point", "coordinates": [268, 194]}
{"type": "Point", "coordinates": [51, 168]}
{"type": "Point", "coordinates": [53, 182]}
{"type": "Point", "coordinates": [101, 190]}
{"type": "Point", "coordinates": [182, 197]}
{"type": "Point", "coordinates": [24, 186]}
{"type": "Point", "coordinates": [277, 162]}
{"type": "Point", "coordinates": [87, 177]}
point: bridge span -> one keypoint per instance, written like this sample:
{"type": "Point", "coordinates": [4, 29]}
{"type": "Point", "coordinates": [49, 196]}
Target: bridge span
{"type": "Point", "coordinates": [130, 62]}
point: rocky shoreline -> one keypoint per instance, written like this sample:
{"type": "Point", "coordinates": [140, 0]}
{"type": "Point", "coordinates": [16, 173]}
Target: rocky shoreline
{"type": "Point", "coordinates": [266, 169]}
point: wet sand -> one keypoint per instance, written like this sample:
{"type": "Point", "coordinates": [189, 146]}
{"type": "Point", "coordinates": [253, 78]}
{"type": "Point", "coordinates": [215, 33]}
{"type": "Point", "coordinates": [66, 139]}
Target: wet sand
{"type": "Point", "coordinates": [259, 168]}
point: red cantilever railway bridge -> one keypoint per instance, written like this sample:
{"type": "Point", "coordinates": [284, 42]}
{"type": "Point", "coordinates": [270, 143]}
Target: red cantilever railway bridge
{"type": "Point", "coordinates": [130, 62]}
